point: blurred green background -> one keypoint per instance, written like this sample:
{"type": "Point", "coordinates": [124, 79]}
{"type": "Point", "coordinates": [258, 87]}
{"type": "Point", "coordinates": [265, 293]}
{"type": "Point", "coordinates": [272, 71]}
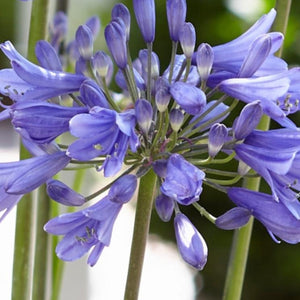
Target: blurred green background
{"type": "Point", "coordinates": [273, 270]}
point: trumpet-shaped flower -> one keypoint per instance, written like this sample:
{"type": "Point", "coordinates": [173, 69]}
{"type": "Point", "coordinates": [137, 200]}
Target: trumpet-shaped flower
{"type": "Point", "coordinates": [91, 227]}
{"type": "Point", "coordinates": [278, 220]}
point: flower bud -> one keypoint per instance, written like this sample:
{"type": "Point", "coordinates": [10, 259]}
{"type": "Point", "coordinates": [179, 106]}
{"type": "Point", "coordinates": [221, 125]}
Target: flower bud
{"type": "Point", "coordinates": [162, 99]}
{"type": "Point", "coordinates": [160, 167]}
{"type": "Point", "coordinates": [187, 37]}
{"type": "Point", "coordinates": [94, 25]}
{"type": "Point", "coordinates": [102, 64]}
{"type": "Point", "coordinates": [247, 120]}
{"type": "Point", "coordinates": [258, 51]}
{"type": "Point", "coordinates": [189, 97]}
{"type": "Point", "coordinates": [92, 95]}
{"type": "Point", "coordinates": [145, 16]}
{"type": "Point", "coordinates": [123, 189]}
{"type": "Point", "coordinates": [216, 138]}
{"type": "Point", "coordinates": [61, 193]}
{"type": "Point", "coordinates": [234, 218]}
{"type": "Point", "coordinates": [144, 114]}
{"type": "Point", "coordinates": [176, 119]}
{"type": "Point", "coordinates": [190, 242]}
{"type": "Point", "coordinates": [84, 41]}
{"type": "Point", "coordinates": [143, 57]}
{"type": "Point", "coordinates": [121, 11]}
{"type": "Point", "coordinates": [204, 60]}
{"type": "Point", "coordinates": [164, 207]}
{"type": "Point", "coordinates": [115, 37]}
{"type": "Point", "coordinates": [176, 13]}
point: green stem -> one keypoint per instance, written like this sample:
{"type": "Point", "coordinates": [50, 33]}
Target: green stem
{"type": "Point", "coordinates": [41, 246]}
{"type": "Point", "coordinates": [22, 275]}
{"type": "Point", "coordinates": [22, 271]}
{"type": "Point", "coordinates": [140, 234]}
{"type": "Point", "coordinates": [239, 252]}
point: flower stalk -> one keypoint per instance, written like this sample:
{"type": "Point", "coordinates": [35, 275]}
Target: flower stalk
{"type": "Point", "coordinates": [140, 234]}
{"type": "Point", "coordinates": [23, 251]}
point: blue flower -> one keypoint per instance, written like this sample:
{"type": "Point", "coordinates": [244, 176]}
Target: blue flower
{"type": "Point", "coordinates": [24, 176]}
{"type": "Point", "coordinates": [42, 122]}
{"type": "Point", "coordinates": [270, 152]}
{"type": "Point", "coordinates": [278, 220]}
{"type": "Point", "coordinates": [31, 82]}
{"type": "Point", "coordinates": [21, 177]}
{"type": "Point", "coordinates": [91, 227]}
{"type": "Point", "coordinates": [103, 132]}
{"type": "Point", "coordinates": [190, 242]}
{"type": "Point", "coordinates": [183, 181]}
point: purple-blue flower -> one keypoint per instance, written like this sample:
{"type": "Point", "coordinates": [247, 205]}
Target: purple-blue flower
{"type": "Point", "coordinates": [103, 132]}
{"type": "Point", "coordinates": [42, 122]}
{"type": "Point", "coordinates": [91, 227]}
{"type": "Point", "coordinates": [183, 181]}
{"type": "Point", "coordinates": [190, 242]}
{"type": "Point", "coordinates": [278, 220]}
{"type": "Point", "coordinates": [26, 81]}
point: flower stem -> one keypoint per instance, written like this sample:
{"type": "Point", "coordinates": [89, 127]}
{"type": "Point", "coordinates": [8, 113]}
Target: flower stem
{"type": "Point", "coordinates": [241, 242]}
{"type": "Point", "coordinates": [22, 273]}
{"type": "Point", "coordinates": [41, 246]}
{"type": "Point", "coordinates": [140, 234]}
{"type": "Point", "coordinates": [21, 284]}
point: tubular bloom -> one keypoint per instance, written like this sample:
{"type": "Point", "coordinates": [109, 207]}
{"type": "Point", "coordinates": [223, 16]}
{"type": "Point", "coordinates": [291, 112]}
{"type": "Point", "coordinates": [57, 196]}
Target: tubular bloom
{"type": "Point", "coordinates": [174, 121]}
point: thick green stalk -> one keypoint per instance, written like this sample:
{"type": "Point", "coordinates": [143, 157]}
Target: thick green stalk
{"type": "Point", "coordinates": [22, 275]}
{"type": "Point", "coordinates": [41, 246]}
{"type": "Point", "coordinates": [240, 247]}
{"type": "Point", "coordinates": [140, 234]}
{"type": "Point", "coordinates": [21, 281]}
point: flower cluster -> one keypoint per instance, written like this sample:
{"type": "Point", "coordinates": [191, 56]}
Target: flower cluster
{"type": "Point", "coordinates": [173, 121]}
